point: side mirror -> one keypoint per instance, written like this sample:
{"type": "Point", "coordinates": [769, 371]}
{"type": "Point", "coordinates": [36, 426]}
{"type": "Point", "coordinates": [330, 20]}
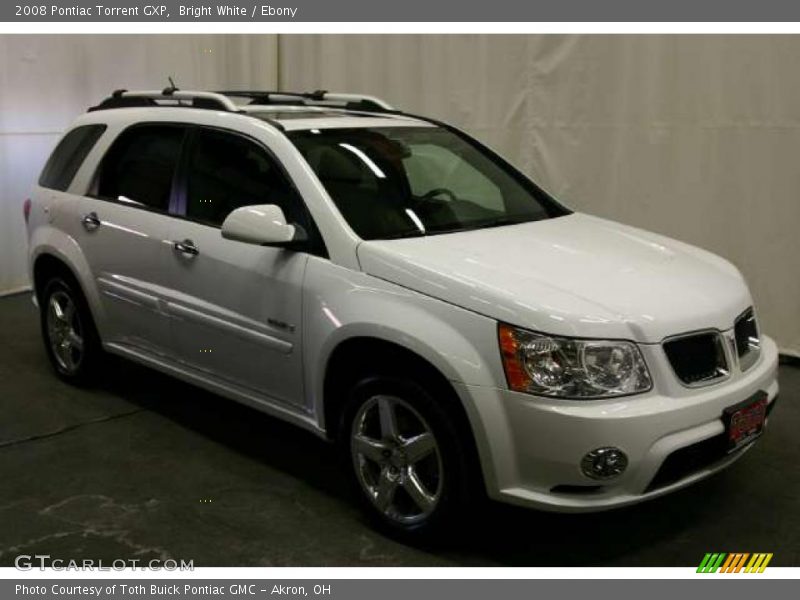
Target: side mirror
{"type": "Point", "coordinates": [262, 224]}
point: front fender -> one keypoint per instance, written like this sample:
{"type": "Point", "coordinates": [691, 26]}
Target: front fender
{"type": "Point", "coordinates": [340, 304]}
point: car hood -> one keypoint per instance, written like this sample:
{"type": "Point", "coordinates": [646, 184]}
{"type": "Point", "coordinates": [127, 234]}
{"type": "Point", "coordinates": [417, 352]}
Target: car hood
{"type": "Point", "coordinates": [575, 275]}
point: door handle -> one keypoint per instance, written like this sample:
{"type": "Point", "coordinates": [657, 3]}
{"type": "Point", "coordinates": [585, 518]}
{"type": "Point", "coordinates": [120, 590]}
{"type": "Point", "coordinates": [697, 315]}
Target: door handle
{"type": "Point", "coordinates": [186, 247]}
{"type": "Point", "coordinates": [91, 221]}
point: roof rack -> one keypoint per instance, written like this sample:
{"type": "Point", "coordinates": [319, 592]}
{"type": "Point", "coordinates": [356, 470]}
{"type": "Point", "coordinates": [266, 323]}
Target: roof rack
{"type": "Point", "coordinates": [126, 99]}
{"type": "Point", "coordinates": [172, 96]}
{"type": "Point", "coordinates": [321, 98]}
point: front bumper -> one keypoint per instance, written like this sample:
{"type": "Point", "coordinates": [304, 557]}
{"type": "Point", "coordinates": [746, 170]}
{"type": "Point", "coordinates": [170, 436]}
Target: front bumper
{"type": "Point", "coordinates": [531, 447]}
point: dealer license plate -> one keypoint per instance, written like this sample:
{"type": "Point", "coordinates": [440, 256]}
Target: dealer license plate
{"type": "Point", "coordinates": [744, 422]}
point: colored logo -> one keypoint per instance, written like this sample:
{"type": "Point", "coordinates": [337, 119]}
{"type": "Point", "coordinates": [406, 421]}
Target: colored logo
{"type": "Point", "coordinates": [737, 562]}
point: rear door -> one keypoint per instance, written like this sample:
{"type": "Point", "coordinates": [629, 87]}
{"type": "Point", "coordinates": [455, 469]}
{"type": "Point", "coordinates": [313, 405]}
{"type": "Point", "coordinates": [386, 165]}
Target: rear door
{"type": "Point", "coordinates": [124, 224]}
{"type": "Point", "coordinates": [236, 307]}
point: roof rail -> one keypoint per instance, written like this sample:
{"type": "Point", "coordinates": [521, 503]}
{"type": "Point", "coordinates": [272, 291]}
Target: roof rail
{"type": "Point", "coordinates": [317, 98]}
{"type": "Point", "coordinates": [125, 98]}
{"type": "Point", "coordinates": [222, 100]}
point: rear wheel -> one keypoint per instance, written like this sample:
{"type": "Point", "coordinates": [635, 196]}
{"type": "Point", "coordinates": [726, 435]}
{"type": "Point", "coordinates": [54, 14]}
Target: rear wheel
{"type": "Point", "coordinates": [407, 460]}
{"type": "Point", "coordinates": [70, 337]}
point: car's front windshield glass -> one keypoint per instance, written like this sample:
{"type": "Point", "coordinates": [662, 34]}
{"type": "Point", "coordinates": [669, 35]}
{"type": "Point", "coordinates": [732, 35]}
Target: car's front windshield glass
{"type": "Point", "coordinates": [393, 182]}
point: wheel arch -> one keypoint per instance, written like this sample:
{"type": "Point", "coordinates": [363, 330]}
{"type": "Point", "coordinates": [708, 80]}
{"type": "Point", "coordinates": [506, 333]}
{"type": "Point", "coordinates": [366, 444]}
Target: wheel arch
{"type": "Point", "coordinates": [362, 355]}
{"type": "Point", "coordinates": [49, 259]}
{"type": "Point", "coordinates": [45, 266]}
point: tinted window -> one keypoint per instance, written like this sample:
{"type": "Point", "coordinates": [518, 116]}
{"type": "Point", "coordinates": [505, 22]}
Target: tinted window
{"type": "Point", "coordinates": [227, 171]}
{"type": "Point", "coordinates": [68, 156]}
{"type": "Point", "coordinates": [140, 166]}
{"type": "Point", "coordinates": [413, 181]}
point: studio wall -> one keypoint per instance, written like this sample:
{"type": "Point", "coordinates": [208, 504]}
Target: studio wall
{"type": "Point", "coordinates": [695, 137]}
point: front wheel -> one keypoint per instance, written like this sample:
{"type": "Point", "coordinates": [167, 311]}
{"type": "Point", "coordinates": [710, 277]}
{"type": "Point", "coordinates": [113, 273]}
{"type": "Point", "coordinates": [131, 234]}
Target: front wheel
{"type": "Point", "coordinates": [406, 458]}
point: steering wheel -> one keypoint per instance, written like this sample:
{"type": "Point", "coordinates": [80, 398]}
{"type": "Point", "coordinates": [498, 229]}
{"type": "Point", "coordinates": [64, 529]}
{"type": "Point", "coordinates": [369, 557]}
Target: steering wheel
{"type": "Point", "coordinates": [437, 192]}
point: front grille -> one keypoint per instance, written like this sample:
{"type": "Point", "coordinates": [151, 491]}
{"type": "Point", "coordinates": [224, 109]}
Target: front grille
{"type": "Point", "coordinates": [691, 459]}
{"type": "Point", "coordinates": [698, 358]}
{"type": "Point", "coordinates": [748, 344]}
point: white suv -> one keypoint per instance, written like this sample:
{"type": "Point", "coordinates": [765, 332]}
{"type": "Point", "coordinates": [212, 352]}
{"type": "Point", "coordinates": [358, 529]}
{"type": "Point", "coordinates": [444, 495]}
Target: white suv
{"type": "Point", "coordinates": [388, 282]}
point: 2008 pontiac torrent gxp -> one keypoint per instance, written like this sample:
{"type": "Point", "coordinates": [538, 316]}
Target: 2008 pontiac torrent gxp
{"type": "Point", "coordinates": [390, 283]}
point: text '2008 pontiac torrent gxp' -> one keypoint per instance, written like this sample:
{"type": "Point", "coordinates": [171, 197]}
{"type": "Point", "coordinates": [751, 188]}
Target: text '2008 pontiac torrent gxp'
{"type": "Point", "coordinates": [388, 282]}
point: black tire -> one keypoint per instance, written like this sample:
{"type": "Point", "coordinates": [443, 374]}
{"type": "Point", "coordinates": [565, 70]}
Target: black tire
{"type": "Point", "coordinates": [87, 360]}
{"type": "Point", "coordinates": [457, 490]}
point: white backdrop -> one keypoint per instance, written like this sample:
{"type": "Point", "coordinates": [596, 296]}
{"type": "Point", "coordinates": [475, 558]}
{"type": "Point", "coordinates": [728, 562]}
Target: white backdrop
{"type": "Point", "coordinates": [46, 81]}
{"type": "Point", "coordinates": [696, 137]}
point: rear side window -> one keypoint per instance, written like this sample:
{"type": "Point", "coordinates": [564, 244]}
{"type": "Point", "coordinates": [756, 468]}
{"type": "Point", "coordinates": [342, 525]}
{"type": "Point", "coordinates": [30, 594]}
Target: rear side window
{"type": "Point", "coordinates": [68, 156]}
{"type": "Point", "coordinates": [140, 166]}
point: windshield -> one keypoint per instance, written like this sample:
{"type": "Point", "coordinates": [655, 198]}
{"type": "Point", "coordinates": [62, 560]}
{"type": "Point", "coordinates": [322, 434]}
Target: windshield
{"type": "Point", "coordinates": [393, 182]}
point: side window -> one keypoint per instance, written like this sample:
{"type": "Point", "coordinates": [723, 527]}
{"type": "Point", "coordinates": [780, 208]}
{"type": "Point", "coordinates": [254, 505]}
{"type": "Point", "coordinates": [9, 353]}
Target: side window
{"type": "Point", "coordinates": [139, 167]}
{"type": "Point", "coordinates": [68, 156]}
{"type": "Point", "coordinates": [226, 171]}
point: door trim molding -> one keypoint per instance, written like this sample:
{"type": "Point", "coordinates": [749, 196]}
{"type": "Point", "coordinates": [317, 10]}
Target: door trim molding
{"type": "Point", "coordinates": [263, 339]}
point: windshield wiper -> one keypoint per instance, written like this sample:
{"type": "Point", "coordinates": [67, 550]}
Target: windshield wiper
{"type": "Point", "coordinates": [500, 221]}
{"type": "Point", "coordinates": [403, 234]}
{"type": "Point", "coordinates": [485, 224]}
{"type": "Point", "coordinates": [481, 224]}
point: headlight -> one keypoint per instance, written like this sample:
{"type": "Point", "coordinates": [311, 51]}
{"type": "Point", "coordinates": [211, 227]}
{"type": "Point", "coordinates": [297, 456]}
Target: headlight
{"type": "Point", "coordinates": [546, 365]}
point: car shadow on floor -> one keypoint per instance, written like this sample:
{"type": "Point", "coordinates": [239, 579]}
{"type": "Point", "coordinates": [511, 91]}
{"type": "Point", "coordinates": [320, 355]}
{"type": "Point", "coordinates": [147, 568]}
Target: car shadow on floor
{"type": "Point", "coordinates": [497, 534]}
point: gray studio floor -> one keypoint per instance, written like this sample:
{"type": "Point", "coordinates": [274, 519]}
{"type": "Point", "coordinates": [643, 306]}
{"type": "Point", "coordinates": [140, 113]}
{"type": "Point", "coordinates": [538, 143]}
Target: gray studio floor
{"type": "Point", "coordinates": [147, 467]}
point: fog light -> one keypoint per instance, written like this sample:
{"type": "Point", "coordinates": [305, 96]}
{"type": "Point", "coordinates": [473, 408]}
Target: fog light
{"type": "Point", "coordinates": [604, 463]}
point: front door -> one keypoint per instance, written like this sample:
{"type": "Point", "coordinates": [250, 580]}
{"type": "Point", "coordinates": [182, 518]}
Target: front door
{"type": "Point", "coordinates": [235, 307]}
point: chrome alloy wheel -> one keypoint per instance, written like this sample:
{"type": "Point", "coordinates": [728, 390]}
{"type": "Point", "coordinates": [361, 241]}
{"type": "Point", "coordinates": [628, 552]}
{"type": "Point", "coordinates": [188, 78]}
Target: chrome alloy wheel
{"type": "Point", "coordinates": [64, 331]}
{"type": "Point", "coordinates": [396, 459]}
